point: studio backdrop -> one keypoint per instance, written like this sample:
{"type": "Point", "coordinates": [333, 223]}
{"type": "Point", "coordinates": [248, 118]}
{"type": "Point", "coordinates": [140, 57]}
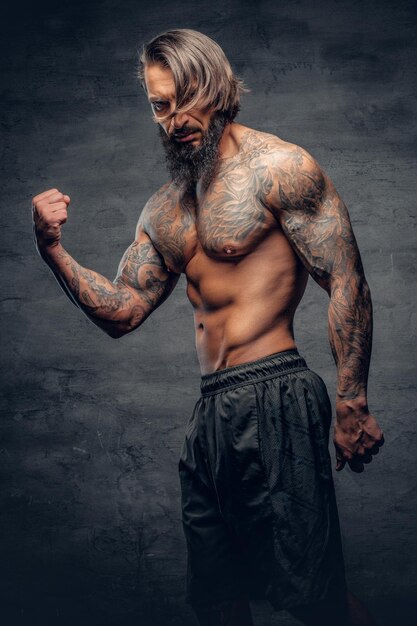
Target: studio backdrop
{"type": "Point", "coordinates": [91, 427]}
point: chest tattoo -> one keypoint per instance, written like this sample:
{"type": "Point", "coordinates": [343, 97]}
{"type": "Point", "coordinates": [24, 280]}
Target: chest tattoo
{"type": "Point", "coordinates": [231, 216]}
{"type": "Point", "coordinates": [226, 220]}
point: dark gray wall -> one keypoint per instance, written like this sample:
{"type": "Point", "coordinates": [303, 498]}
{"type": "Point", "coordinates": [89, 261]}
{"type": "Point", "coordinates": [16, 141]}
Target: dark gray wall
{"type": "Point", "coordinates": [92, 427]}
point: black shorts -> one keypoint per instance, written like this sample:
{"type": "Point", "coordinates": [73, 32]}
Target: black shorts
{"type": "Point", "coordinates": [258, 502]}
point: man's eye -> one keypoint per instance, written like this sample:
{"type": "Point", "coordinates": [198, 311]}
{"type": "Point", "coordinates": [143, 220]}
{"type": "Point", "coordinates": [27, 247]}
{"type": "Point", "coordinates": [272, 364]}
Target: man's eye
{"type": "Point", "coordinates": [159, 107]}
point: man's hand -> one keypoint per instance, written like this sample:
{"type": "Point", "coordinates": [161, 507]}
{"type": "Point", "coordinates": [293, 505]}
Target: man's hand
{"type": "Point", "coordinates": [357, 437]}
{"type": "Point", "coordinates": [49, 213]}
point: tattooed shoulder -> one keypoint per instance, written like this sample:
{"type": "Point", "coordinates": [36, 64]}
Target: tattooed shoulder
{"type": "Point", "coordinates": [162, 201]}
{"type": "Point", "coordinates": [298, 181]}
{"type": "Point", "coordinates": [293, 179]}
{"type": "Point", "coordinates": [168, 219]}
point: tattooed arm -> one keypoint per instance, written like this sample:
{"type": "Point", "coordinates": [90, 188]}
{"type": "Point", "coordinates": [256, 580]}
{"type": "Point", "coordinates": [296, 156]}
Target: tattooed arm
{"type": "Point", "coordinates": [316, 222]}
{"type": "Point", "coordinates": [141, 285]}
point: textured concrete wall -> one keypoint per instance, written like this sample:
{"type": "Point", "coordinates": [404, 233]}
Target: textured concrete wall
{"type": "Point", "coordinates": [91, 428]}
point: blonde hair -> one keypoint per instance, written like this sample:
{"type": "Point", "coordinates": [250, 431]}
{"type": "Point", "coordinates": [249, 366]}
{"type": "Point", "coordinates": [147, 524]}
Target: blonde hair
{"type": "Point", "coordinates": [202, 74]}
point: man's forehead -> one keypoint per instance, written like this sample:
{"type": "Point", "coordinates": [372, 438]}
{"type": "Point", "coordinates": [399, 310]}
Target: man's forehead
{"type": "Point", "coordinates": [159, 81]}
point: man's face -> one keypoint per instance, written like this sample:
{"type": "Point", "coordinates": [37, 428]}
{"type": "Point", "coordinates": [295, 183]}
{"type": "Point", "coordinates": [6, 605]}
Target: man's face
{"type": "Point", "coordinates": [161, 94]}
{"type": "Point", "coordinates": [190, 138]}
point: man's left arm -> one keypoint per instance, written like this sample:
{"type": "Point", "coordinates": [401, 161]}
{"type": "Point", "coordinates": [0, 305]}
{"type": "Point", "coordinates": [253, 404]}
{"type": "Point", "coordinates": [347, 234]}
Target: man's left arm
{"type": "Point", "coordinates": [316, 223]}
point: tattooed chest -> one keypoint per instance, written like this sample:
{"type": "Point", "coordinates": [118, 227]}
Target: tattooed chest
{"type": "Point", "coordinates": [229, 227]}
{"type": "Point", "coordinates": [219, 232]}
{"type": "Point", "coordinates": [232, 219]}
{"type": "Point", "coordinates": [227, 222]}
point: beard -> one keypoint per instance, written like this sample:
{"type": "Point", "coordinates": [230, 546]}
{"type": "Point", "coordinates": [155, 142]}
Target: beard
{"type": "Point", "coordinates": [186, 163]}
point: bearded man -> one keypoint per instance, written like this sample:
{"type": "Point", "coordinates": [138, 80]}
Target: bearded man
{"type": "Point", "coordinates": [246, 217]}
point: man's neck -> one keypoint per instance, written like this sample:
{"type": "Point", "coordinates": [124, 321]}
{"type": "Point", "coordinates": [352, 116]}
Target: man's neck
{"type": "Point", "coordinates": [228, 144]}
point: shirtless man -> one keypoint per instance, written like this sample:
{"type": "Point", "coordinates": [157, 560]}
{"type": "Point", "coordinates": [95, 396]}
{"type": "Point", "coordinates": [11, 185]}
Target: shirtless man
{"type": "Point", "coordinates": [247, 217]}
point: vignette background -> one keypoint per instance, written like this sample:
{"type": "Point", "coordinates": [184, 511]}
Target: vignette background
{"type": "Point", "coordinates": [92, 428]}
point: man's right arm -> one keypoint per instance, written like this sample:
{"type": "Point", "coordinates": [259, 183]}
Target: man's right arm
{"type": "Point", "coordinates": [118, 307]}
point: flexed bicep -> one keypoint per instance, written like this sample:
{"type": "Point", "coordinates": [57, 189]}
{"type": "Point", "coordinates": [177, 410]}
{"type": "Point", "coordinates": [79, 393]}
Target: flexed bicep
{"type": "Point", "coordinates": [316, 221]}
{"type": "Point", "coordinates": [143, 271]}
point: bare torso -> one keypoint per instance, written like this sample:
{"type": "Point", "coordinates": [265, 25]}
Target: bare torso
{"type": "Point", "coordinates": [245, 244]}
{"type": "Point", "coordinates": [244, 280]}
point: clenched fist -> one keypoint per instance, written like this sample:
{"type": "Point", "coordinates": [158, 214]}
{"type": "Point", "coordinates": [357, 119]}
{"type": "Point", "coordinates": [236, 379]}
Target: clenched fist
{"type": "Point", "coordinates": [49, 213]}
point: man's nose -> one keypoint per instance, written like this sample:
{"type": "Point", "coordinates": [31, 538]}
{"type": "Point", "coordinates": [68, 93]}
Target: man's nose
{"type": "Point", "coordinates": [178, 120]}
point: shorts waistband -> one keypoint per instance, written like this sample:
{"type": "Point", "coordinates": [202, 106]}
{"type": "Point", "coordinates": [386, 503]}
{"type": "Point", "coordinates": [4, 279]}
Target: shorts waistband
{"type": "Point", "coordinates": [269, 366]}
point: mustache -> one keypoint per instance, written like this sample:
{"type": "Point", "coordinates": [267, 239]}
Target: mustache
{"type": "Point", "coordinates": [183, 132]}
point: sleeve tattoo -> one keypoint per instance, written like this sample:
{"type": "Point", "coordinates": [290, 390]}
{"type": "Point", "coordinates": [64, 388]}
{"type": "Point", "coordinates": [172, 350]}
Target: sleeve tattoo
{"type": "Point", "coordinates": [317, 224]}
{"type": "Point", "coordinates": [142, 284]}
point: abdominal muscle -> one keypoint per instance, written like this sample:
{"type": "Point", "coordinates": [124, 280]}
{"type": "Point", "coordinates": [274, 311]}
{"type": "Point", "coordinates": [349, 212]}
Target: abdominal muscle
{"type": "Point", "coordinates": [244, 308]}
